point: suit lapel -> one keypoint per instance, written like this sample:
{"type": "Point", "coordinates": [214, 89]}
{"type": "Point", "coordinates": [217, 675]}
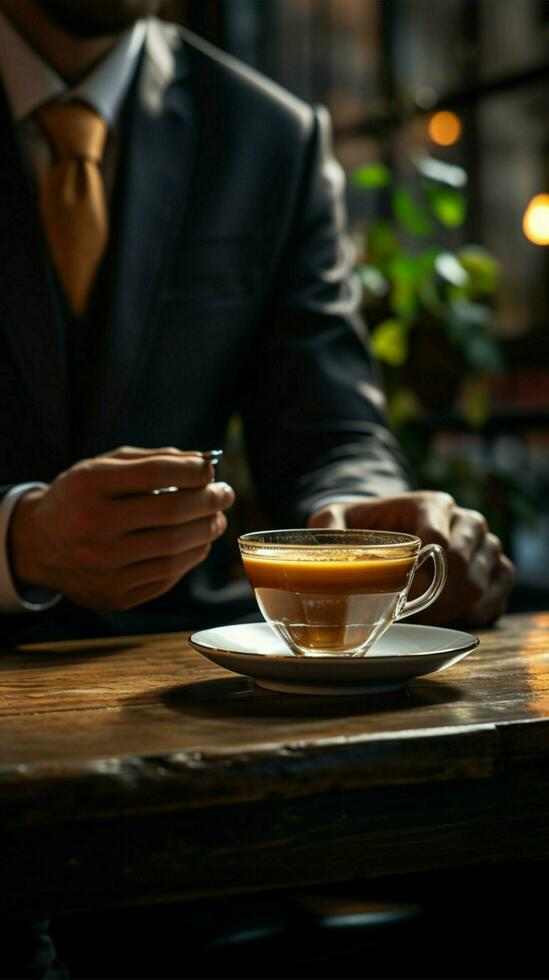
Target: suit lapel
{"type": "Point", "coordinates": [29, 319]}
{"type": "Point", "coordinates": [156, 174]}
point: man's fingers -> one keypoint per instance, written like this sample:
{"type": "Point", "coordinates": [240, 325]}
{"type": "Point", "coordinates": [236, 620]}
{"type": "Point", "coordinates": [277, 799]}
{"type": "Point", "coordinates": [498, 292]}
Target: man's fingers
{"type": "Point", "coordinates": [493, 603]}
{"type": "Point", "coordinates": [468, 531]}
{"type": "Point", "coordinates": [154, 581]}
{"type": "Point", "coordinates": [170, 541]}
{"type": "Point", "coordinates": [167, 569]}
{"type": "Point", "coordinates": [434, 518]}
{"type": "Point", "coordinates": [329, 517]}
{"type": "Point", "coordinates": [484, 563]}
{"type": "Point", "coordinates": [134, 513]}
{"type": "Point", "coordinates": [480, 578]}
{"type": "Point", "coordinates": [114, 477]}
{"type": "Point", "coordinates": [477, 596]}
{"type": "Point", "coordinates": [427, 514]}
{"type": "Point", "coordinates": [138, 452]}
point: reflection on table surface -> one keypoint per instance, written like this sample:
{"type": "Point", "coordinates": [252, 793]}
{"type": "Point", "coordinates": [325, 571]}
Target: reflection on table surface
{"type": "Point", "coordinates": [155, 695]}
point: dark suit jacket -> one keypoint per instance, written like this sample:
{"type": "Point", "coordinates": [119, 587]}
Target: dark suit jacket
{"type": "Point", "coordinates": [226, 289]}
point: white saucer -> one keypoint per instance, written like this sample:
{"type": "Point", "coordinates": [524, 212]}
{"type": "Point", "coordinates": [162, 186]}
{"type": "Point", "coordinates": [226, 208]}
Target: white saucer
{"type": "Point", "coordinates": [403, 652]}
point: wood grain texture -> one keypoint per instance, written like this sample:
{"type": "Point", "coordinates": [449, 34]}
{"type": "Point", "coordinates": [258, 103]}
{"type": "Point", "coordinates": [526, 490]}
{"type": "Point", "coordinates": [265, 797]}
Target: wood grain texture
{"type": "Point", "coordinates": [137, 770]}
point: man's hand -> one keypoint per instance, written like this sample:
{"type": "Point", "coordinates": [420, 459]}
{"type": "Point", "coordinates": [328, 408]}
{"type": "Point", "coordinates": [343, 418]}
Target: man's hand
{"type": "Point", "coordinates": [480, 577]}
{"type": "Point", "coordinates": [100, 536]}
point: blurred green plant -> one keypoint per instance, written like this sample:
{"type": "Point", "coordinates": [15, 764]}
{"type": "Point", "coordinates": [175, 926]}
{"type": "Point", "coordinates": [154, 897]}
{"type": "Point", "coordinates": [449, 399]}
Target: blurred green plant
{"type": "Point", "coordinates": [430, 308]}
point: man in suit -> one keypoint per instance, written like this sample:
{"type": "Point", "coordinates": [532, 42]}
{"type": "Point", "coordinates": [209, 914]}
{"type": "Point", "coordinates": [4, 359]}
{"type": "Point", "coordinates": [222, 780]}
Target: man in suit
{"type": "Point", "coordinates": [187, 262]}
{"type": "Point", "coordinates": [172, 250]}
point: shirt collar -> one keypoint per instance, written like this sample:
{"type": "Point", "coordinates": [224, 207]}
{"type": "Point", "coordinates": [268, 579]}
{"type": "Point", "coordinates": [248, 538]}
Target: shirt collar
{"type": "Point", "coordinates": [30, 82]}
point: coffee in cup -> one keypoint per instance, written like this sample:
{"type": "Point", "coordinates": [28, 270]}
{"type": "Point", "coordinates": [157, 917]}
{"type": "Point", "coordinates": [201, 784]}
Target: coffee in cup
{"type": "Point", "coordinates": [335, 592]}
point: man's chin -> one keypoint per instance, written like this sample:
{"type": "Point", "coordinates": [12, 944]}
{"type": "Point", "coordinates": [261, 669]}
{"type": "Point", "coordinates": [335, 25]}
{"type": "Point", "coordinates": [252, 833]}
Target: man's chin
{"type": "Point", "coordinates": [97, 18]}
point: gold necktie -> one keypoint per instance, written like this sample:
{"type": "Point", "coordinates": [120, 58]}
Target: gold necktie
{"type": "Point", "coordinates": [72, 199]}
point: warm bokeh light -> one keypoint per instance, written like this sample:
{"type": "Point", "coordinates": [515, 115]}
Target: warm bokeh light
{"type": "Point", "coordinates": [445, 128]}
{"type": "Point", "coordinates": [535, 223]}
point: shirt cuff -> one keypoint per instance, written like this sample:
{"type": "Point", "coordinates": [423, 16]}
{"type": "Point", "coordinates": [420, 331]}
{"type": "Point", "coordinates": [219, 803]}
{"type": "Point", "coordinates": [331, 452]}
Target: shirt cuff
{"type": "Point", "coordinates": [34, 598]}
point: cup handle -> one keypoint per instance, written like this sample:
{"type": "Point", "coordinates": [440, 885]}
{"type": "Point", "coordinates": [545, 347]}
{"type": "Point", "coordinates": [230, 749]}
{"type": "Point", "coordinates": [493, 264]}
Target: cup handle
{"type": "Point", "coordinates": [434, 551]}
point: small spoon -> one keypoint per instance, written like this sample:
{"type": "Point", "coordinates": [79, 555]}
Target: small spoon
{"type": "Point", "coordinates": [213, 455]}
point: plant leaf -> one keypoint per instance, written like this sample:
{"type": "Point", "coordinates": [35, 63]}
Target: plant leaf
{"type": "Point", "coordinates": [451, 270]}
{"type": "Point", "coordinates": [441, 172]}
{"type": "Point", "coordinates": [390, 342]}
{"type": "Point", "coordinates": [483, 270]}
{"type": "Point", "coordinates": [465, 318]}
{"type": "Point", "coordinates": [413, 218]}
{"type": "Point", "coordinates": [426, 260]}
{"type": "Point", "coordinates": [429, 296]}
{"type": "Point", "coordinates": [382, 245]}
{"type": "Point", "coordinates": [372, 175]}
{"type": "Point", "coordinates": [373, 281]}
{"type": "Point", "coordinates": [404, 268]}
{"type": "Point", "coordinates": [448, 205]}
{"type": "Point", "coordinates": [403, 300]}
{"type": "Point", "coordinates": [403, 407]}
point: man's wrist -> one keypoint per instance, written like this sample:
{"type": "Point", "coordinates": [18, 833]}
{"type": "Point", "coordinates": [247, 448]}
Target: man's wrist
{"type": "Point", "coordinates": [18, 559]}
{"type": "Point", "coordinates": [22, 540]}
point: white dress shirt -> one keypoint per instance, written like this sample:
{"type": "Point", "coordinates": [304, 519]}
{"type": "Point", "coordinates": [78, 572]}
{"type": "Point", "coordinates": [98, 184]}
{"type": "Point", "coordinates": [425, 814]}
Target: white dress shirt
{"type": "Point", "coordinates": [29, 82]}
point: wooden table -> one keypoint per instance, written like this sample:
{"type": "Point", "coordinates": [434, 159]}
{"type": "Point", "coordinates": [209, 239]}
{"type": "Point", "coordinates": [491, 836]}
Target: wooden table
{"type": "Point", "coordinates": [134, 770]}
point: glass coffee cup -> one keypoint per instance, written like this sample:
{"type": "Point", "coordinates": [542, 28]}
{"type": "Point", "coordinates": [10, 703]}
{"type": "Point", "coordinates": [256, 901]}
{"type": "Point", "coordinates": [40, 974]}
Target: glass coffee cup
{"type": "Point", "coordinates": [335, 592]}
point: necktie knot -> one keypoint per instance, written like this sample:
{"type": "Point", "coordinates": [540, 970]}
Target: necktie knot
{"type": "Point", "coordinates": [74, 130]}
